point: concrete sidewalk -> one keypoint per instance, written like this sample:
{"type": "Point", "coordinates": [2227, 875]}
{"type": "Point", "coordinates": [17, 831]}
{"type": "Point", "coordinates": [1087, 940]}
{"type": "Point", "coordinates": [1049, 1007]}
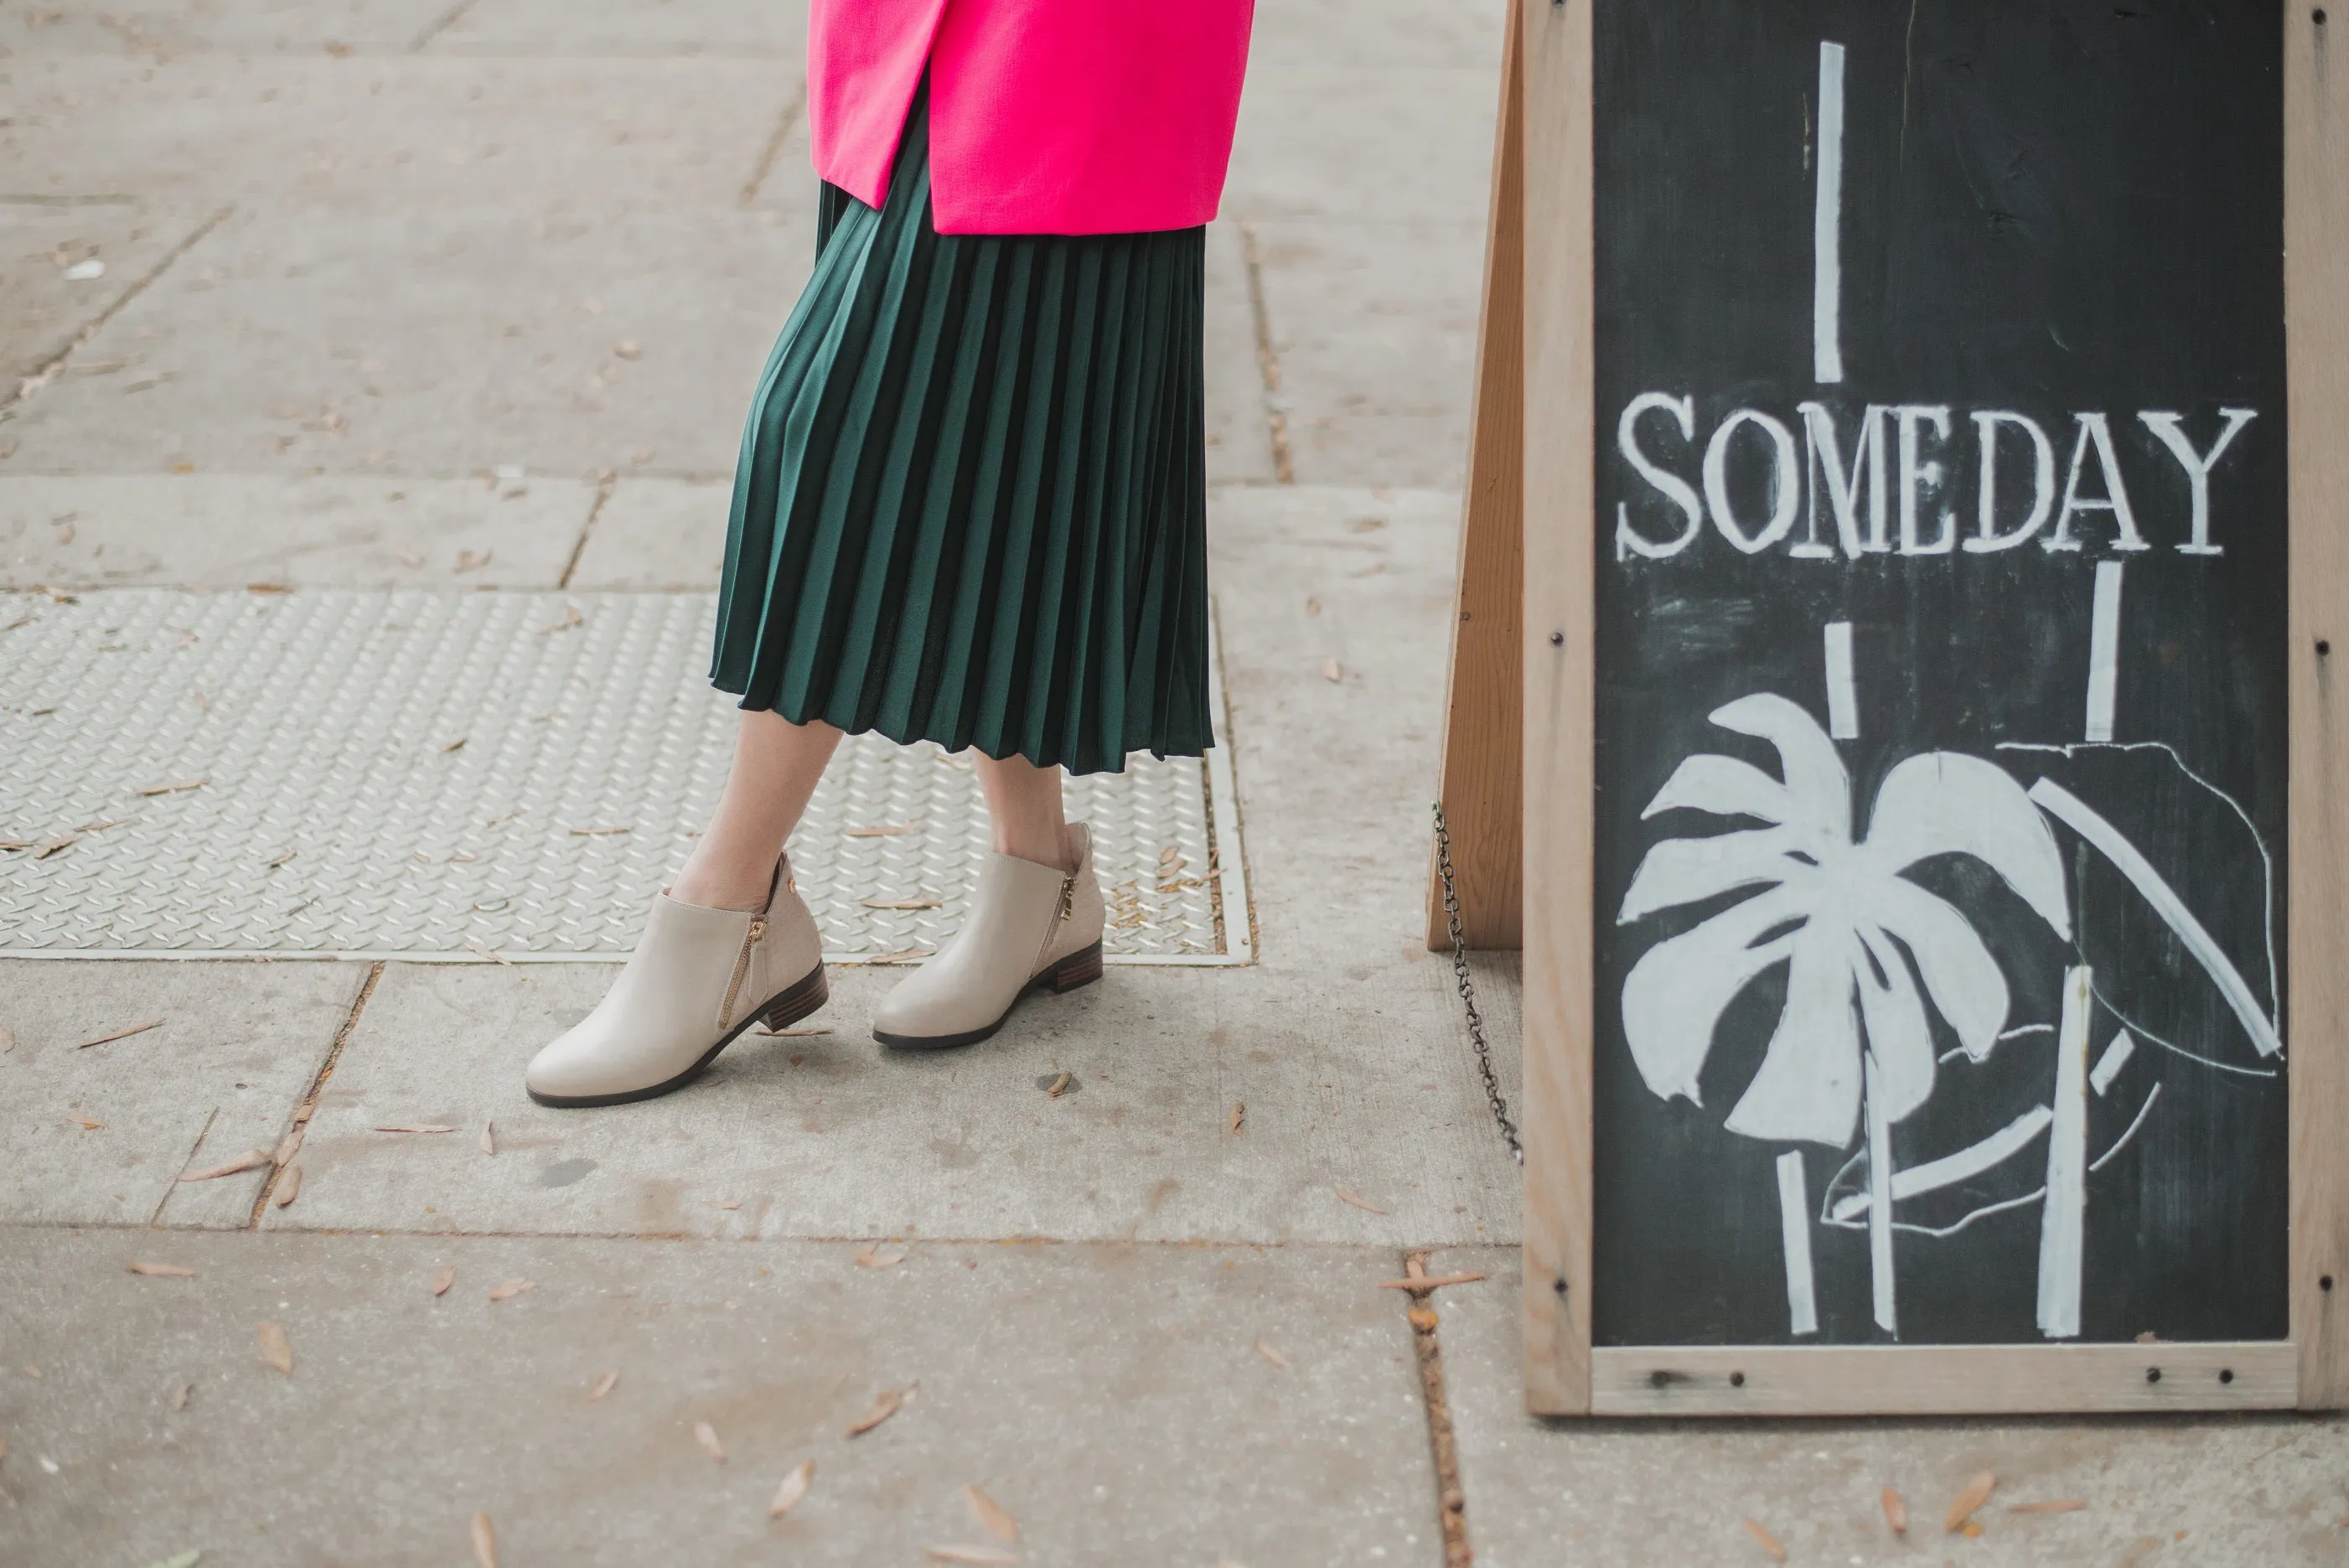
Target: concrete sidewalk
{"type": "Point", "coordinates": [439, 299]}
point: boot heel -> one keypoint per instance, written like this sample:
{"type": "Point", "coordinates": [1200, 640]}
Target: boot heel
{"type": "Point", "coordinates": [799, 1001]}
{"type": "Point", "coordinates": [1078, 969]}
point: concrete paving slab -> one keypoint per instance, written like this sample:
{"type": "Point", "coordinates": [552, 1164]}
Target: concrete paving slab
{"type": "Point", "coordinates": [828, 1136]}
{"type": "Point", "coordinates": [1407, 144]}
{"type": "Point", "coordinates": [1110, 1399]}
{"type": "Point", "coordinates": [230, 531]}
{"type": "Point", "coordinates": [1377, 32]}
{"type": "Point", "coordinates": [2222, 1492]}
{"type": "Point", "coordinates": [1375, 326]}
{"type": "Point", "coordinates": [45, 247]}
{"type": "Point", "coordinates": [446, 345]}
{"type": "Point", "coordinates": [407, 134]}
{"type": "Point", "coordinates": [775, 29]}
{"type": "Point", "coordinates": [161, 30]}
{"type": "Point", "coordinates": [658, 533]}
{"type": "Point", "coordinates": [101, 1134]}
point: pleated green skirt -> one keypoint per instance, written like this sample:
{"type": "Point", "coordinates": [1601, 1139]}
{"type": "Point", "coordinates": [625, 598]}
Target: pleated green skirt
{"type": "Point", "coordinates": [971, 503]}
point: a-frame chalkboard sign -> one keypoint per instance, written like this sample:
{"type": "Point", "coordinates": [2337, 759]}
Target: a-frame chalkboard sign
{"type": "Point", "coordinates": [1907, 535]}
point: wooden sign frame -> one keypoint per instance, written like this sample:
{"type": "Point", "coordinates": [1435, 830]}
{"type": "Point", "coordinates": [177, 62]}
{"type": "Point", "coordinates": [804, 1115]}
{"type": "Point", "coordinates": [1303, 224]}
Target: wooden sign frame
{"type": "Point", "coordinates": [1519, 775]}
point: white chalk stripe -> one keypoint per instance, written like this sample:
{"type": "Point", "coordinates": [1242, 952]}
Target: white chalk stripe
{"type": "Point", "coordinates": [1795, 1233]}
{"type": "Point", "coordinates": [1827, 223]}
{"type": "Point", "coordinates": [2108, 1066]}
{"type": "Point", "coordinates": [1953, 1168]}
{"type": "Point", "coordinates": [2103, 651]}
{"type": "Point", "coordinates": [2076, 814]}
{"type": "Point", "coordinates": [2063, 1220]}
{"type": "Point", "coordinates": [1842, 695]}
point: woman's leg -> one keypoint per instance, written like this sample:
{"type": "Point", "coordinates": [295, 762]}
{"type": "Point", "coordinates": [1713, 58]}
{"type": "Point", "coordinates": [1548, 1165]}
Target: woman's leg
{"type": "Point", "coordinates": [1023, 802]}
{"type": "Point", "coordinates": [776, 764]}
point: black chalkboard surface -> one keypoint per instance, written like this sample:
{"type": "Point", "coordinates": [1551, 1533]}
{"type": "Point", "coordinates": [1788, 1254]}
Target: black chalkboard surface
{"type": "Point", "coordinates": [1942, 742]}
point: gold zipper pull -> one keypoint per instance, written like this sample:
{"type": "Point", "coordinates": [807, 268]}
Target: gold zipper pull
{"type": "Point", "coordinates": [758, 928]}
{"type": "Point", "coordinates": [1068, 898]}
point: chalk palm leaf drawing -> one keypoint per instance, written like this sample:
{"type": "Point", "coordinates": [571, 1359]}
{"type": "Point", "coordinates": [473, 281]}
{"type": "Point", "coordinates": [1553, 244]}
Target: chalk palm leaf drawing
{"type": "Point", "coordinates": [1835, 906]}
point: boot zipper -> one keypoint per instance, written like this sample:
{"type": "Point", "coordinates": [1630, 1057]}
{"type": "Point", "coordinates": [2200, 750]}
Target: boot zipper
{"type": "Point", "coordinates": [741, 969]}
{"type": "Point", "coordinates": [1068, 900]}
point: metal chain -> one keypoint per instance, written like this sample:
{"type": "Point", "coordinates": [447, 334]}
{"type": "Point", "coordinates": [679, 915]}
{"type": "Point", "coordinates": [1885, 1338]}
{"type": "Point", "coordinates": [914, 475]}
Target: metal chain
{"type": "Point", "coordinates": [1466, 984]}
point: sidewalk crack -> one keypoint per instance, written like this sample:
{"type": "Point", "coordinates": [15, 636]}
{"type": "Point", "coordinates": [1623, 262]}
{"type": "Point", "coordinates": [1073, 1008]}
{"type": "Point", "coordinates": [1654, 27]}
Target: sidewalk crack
{"type": "Point", "coordinates": [1267, 357]}
{"type": "Point", "coordinates": [792, 108]}
{"type": "Point", "coordinates": [307, 1105]}
{"type": "Point", "coordinates": [46, 371]}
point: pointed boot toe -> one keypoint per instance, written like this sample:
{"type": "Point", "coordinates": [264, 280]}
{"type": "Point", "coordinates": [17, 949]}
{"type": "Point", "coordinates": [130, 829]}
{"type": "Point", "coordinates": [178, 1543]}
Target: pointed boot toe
{"type": "Point", "coordinates": [698, 979]}
{"type": "Point", "coordinates": [1029, 927]}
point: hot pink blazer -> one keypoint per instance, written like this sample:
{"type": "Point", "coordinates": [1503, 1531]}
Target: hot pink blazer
{"type": "Point", "coordinates": [1047, 117]}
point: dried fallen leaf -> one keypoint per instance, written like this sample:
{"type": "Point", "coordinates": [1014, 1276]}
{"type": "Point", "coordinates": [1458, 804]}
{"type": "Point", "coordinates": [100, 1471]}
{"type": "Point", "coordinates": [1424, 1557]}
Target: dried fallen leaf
{"type": "Point", "coordinates": [885, 1403]}
{"type": "Point", "coordinates": [901, 903]}
{"type": "Point", "coordinates": [794, 1487]}
{"type": "Point", "coordinates": [904, 955]}
{"type": "Point", "coordinates": [1764, 1539]}
{"type": "Point", "coordinates": [1424, 1282]}
{"type": "Point", "coordinates": [1971, 1529]}
{"type": "Point", "coordinates": [443, 1280]}
{"type": "Point", "coordinates": [599, 832]}
{"type": "Point", "coordinates": [1060, 1086]}
{"type": "Point", "coordinates": [485, 1542]}
{"type": "Point", "coordinates": [1362, 1203]}
{"type": "Point", "coordinates": [456, 745]}
{"type": "Point", "coordinates": [86, 1124]}
{"type": "Point", "coordinates": [289, 1186]}
{"type": "Point", "coordinates": [1896, 1512]}
{"type": "Point", "coordinates": [489, 1137]}
{"type": "Point", "coordinates": [884, 830]}
{"type": "Point", "coordinates": [603, 1386]}
{"type": "Point", "coordinates": [473, 560]}
{"type": "Point", "coordinates": [980, 1556]}
{"type": "Point", "coordinates": [160, 1270]}
{"type": "Point", "coordinates": [51, 847]}
{"type": "Point", "coordinates": [290, 1144]}
{"type": "Point", "coordinates": [181, 1393]}
{"type": "Point", "coordinates": [487, 951]}
{"type": "Point", "coordinates": [1332, 671]}
{"type": "Point", "coordinates": [303, 1112]}
{"type": "Point", "coordinates": [1239, 1113]}
{"type": "Point", "coordinates": [2059, 1505]}
{"type": "Point", "coordinates": [1423, 1318]}
{"type": "Point", "coordinates": [121, 1035]}
{"type": "Point", "coordinates": [246, 1161]}
{"type": "Point", "coordinates": [174, 787]}
{"type": "Point", "coordinates": [731, 1203]}
{"type": "Point", "coordinates": [275, 1348]}
{"type": "Point", "coordinates": [879, 1255]}
{"type": "Point", "coordinates": [707, 1436]}
{"type": "Point", "coordinates": [990, 1514]}
{"type": "Point", "coordinates": [1977, 1493]}
{"type": "Point", "coordinates": [511, 1289]}
{"type": "Point", "coordinates": [414, 1127]}
{"type": "Point", "coordinates": [1272, 1355]}
{"type": "Point", "coordinates": [7, 1040]}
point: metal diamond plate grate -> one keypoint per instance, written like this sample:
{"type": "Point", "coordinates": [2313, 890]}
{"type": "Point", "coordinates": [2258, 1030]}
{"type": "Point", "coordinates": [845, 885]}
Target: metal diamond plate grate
{"type": "Point", "coordinates": [454, 776]}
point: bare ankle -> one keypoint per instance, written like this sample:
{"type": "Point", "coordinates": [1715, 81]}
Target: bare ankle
{"type": "Point", "coordinates": [720, 886]}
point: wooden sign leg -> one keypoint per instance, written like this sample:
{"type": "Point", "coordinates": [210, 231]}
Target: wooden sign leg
{"type": "Point", "coordinates": [1480, 785]}
{"type": "Point", "coordinates": [2316, 305]}
{"type": "Point", "coordinates": [1561, 691]}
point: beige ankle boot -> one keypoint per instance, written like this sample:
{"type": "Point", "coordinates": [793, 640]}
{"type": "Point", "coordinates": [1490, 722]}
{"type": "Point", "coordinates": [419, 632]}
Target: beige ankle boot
{"type": "Point", "coordinates": [697, 979]}
{"type": "Point", "coordinates": [1028, 926]}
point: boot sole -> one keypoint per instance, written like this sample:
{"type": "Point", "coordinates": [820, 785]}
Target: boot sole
{"type": "Point", "coordinates": [1078, 969]}
{"type": "Point", "coordinates": [781, 1011]}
